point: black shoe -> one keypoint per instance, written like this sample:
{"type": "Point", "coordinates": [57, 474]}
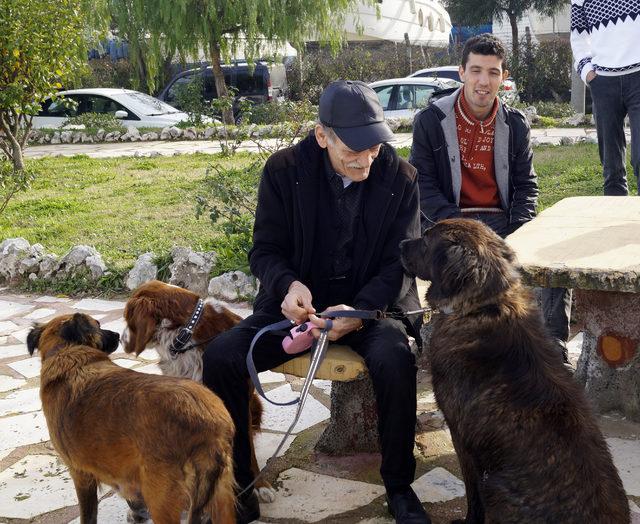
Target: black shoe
{"type": "Point", "coordinates": [248, 508]}
{"type": "Point", "coordinates": [405, 506]}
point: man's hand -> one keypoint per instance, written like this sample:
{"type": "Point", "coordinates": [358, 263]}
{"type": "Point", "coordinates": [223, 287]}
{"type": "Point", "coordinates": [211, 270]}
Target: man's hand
{"type": "Point", "coordinates": [296, 305]}
{"type": "Point", "coordinates": [590, 76]}
{"type": "Point", "coordinates": [341, 326]}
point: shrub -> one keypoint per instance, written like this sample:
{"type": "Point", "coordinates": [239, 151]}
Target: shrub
{"type": "Point", "coordinates": [189, 99]}
{"type": "Point", "coordinates": [228, 198]}
{"type": "Point", "coordinates": [94, 121]}
{"type": "Point", "coordinates": [359, 61]}
{"type": "Point", "coordinates": [544, 72]}
{"type": "Point", "coordinates": [277, 112]}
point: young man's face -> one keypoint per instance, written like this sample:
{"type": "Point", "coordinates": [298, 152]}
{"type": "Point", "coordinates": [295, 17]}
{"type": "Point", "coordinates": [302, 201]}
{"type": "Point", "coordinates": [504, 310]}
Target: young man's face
{"type": "Point", "coordinates": [482, 77]}
{"type": "Point", "coordinates": [355, 165]}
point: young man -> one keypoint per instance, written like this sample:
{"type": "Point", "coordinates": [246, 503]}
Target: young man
{"type": "Point", "coordinates": [331, 213]}
{"type": "Point", "coordinates": [474, 159]}
{"type": "Point", "coordinates": [604, 40]}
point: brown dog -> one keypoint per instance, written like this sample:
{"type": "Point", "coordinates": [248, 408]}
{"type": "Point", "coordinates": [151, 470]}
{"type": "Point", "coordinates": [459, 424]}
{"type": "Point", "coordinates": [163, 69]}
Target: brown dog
{"type": "Point", "coordinates": [529, 448]}
{"type": "Point", "coordinates": [155, 313]}
{"type": "Point", "coordinates": [166, 441]}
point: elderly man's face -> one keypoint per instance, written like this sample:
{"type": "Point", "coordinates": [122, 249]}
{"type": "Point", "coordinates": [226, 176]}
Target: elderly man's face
{"type": "Point", "coordinates": [355, 165]}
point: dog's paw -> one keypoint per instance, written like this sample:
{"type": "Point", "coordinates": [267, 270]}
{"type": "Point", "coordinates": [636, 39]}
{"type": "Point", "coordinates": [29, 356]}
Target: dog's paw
{"type": "Point", "coordinates": [265, 494]}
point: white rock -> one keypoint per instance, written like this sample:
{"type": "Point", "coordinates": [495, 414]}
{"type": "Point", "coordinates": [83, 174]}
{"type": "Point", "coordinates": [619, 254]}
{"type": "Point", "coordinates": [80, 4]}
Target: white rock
{"type": "Point", "coordinates": [438, 485]}
{"type": "Point", "coordinates": [234, 285]}
{"type": "Point", "coordinates": [80, 257]}
{"type": "Point", "coordinates": [175, 132]}
{"type": "Point", "coordinates": [191, 269]}
{"type": "Point", "coordinates": [567, 141]}
{"type": "Point", "coordinates": [143, 270]}
{"type": "Point", "coordinates": [190, 134]}
{"type": "Point", "coordinates": [165, 134]}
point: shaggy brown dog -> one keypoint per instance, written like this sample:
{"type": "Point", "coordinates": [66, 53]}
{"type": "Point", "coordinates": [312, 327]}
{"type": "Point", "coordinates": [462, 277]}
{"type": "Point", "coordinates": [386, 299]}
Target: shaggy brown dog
{"type": "Point", "coordinates": [165, 440]}
{"type": "Point", "coordinates": [155, 313]}
{"type": "Point", "coordinates": [529, 448]}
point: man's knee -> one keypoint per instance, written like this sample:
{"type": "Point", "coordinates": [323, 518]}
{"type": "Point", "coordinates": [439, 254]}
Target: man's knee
{"type": "Point", "coordinates": [223, 357]}
{"type": "Point", "coordinates": [390, 357]}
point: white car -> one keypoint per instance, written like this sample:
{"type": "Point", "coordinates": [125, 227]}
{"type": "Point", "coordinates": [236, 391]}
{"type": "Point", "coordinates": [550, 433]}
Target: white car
{"type": "Point", "coordinates": [403, 97]}
{"type": "Point", "coordinates": [131, 107]}
{"type": "Point", "coordinates": [508, 90]}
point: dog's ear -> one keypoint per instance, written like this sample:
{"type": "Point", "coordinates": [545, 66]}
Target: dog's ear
{"type": "Point", "coordinates": [33, 338]}
{"type": "Point", "coordinates": [78, 329]}
{"type": "Point", "coordinates": [141, 322]}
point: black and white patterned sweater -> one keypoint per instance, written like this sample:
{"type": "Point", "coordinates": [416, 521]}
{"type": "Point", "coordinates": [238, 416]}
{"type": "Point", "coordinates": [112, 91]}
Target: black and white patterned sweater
{"type": "Point", "coordinates": [605, 36]}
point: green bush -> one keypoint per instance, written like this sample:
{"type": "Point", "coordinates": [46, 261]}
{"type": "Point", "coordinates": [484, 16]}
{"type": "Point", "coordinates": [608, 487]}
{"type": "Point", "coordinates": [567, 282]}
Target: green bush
{"type": "Point", "coordinates": [189, 99]}
{"type": "Point", "coordinates": [359, 61]}
{"type": "Point", "coordinates": [544, 71]}
{"type": "Point", "coordinates": [94, 121]}
{"type": "Point", "coordinates": [546, 121]}
{"type": "Point", "coordinates": [278, 112]}
{"type": "Point", "coordinates": [104, 72]}
{"type": "Point", "coordinates": [228, 198]}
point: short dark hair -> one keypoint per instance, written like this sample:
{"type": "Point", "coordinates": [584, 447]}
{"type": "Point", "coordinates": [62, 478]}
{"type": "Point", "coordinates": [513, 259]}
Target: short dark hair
{"type": "Point", "coordinates": [484, 44]}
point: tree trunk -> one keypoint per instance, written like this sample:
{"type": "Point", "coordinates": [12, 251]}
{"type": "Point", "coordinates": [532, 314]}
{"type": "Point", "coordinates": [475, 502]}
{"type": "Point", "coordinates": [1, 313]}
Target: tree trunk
{"type": "Point", "coordinates": [12, 145]}
{"type": "Point", "coordinates": [515, 43]}
{"type": "Point", "coordinates": [221, 87]}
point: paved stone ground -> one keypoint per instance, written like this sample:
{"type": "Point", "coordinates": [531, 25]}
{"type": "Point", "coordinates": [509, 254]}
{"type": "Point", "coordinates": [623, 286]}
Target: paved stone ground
{"type": "Point", "coordinates": [167, 148]}
{"type": "Point", "coordinates": [35, 485]}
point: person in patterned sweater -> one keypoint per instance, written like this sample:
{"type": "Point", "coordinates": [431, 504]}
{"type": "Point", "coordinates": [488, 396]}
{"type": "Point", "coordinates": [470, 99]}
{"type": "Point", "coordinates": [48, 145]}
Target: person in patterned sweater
{"type": "Point", "coordinates": [474, 159]}
{"type": "Point", "coordinates": [604, 40]}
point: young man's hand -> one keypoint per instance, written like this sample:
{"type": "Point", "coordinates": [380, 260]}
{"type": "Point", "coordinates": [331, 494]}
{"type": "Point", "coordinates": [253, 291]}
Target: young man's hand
{"type": "Point", "coordinates": [296, 305]}
{"type": "Point", "coordinates": [341, 326]}
{"type": "Point", "coordinates": [590, 76]}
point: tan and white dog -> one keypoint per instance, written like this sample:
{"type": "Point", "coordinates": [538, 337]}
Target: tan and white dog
{"type": "Point", "coordinates": [154, 315]}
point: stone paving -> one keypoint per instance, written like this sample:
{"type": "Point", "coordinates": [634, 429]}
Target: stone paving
{"type": "Point", "coordinates": [168, 148]}
{"type": "Point", "coordinates": [35, 485]}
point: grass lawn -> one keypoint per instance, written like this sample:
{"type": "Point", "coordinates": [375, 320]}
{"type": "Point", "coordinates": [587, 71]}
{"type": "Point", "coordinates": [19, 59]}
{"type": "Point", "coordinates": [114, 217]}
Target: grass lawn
{"type": "Point", "coordinates": [127, 206]}
{"type": "Point", "coordinates": [121, 206]}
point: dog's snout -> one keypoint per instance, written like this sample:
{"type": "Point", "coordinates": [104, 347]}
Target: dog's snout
{"type": "Point", "coordinates": [110, 340]}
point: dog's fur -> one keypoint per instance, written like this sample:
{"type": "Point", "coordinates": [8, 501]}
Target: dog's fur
{"type": "Point", "coordinates": [529, 448]}
{"type": "Point", "coordinates": [155, 313]}
{"type": "Point", "coordinates": [165, 440]}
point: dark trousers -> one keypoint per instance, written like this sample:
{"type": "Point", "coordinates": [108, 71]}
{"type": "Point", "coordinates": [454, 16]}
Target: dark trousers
{"type": "Point", "coordinates": [555, 302]}
{"type": "Point", "coordinates": [383, 345]}
{"type": "Point", "coordinates": [614, 98]}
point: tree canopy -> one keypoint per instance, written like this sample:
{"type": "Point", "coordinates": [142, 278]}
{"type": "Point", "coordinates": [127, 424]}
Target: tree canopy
{"type": "Point", "coordinates": [474, 12]}
{"type": "Point", "coordinates": [220, 27]}
{"type": "Point", "coordinates": [43, 45]}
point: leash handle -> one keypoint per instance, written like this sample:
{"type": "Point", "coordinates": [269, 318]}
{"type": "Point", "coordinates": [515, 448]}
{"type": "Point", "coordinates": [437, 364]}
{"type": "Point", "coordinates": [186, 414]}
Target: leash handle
{"type": "Point", "coordinates": [251, 367]}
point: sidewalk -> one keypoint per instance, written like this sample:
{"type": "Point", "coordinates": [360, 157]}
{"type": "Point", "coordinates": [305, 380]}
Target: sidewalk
{"type": "Point", "coordinates": [168, 148]}
{"type": "Point", "coordinates": [35, 485]}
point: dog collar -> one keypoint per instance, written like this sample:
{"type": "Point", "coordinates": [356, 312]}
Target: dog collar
{"type": "Point", "coordinates": [186, 332]}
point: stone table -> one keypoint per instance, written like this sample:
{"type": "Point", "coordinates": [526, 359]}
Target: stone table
{"type": "Point", "coordinates": [592, 244]}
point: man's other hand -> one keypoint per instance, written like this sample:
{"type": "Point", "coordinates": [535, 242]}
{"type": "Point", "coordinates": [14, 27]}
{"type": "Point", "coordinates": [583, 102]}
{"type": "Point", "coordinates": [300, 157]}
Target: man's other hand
{"type": "Point", "coordinates": [296, 305]}
{"type": "Point", "coordinates": [590, 76]}
{"type": "Point", "coordinates": [341, 326]}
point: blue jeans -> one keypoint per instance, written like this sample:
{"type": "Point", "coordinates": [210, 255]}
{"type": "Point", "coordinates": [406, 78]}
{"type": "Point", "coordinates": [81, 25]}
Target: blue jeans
{"type": "Point", "coordinates": [614, 98]}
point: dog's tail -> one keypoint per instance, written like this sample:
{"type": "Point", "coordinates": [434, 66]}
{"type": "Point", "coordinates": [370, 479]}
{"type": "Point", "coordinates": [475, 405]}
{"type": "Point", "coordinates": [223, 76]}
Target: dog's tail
{"type": "Point", "coordinates": [214, 492]}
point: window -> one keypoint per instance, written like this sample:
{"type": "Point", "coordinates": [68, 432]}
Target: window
{"type": "Point", "coordinates": [384, 95]}
{"type": "Point", "coordinates": [422, 95]}
{"type": "Point", "coordinates": [101, 104]}
{"type": "Point", "coordinates": [60, 107]}
{"type": "Point", "coordinates": [250, 84]}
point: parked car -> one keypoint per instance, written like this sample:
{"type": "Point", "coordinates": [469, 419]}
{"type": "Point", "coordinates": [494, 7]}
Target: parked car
{"type": "Point", "coordinates": [508, 93]}
{"type": "Point", "coordinates": [266, 82]}
{"type": "Point", "coordinates": [131, 107]}
{"type": "Point", "coordinates": [403, 97]}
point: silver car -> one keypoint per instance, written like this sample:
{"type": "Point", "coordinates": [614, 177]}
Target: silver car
{"type": "Point", "coordinates": [403, 97]}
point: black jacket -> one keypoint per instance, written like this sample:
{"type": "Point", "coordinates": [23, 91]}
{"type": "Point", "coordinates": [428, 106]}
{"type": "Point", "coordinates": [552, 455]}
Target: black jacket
{"type": "Point", "coordinates": [433, 157]}
{"type": "Point", "coordinates": [285, 235]}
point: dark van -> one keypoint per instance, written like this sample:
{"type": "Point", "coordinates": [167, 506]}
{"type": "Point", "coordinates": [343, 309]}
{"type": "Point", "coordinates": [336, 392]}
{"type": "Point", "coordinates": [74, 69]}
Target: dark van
{"type": "Point", "coordinates": [266, 82]}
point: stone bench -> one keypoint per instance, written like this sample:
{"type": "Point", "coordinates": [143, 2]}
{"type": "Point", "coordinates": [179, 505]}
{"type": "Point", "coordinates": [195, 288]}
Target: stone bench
{"type": "Point", "coordinates": [591, 244]}
{"type": "Point", "coordinates": [353, 423]}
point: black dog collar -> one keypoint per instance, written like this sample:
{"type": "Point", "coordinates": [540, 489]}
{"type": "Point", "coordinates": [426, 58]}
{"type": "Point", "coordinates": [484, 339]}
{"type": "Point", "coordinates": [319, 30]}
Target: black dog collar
{"type": "Point", "coordinates": [185, 333]}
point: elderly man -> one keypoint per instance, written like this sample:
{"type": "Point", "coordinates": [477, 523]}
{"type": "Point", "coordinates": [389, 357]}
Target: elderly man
{"type": "Point", "coordinates": [331, 213]}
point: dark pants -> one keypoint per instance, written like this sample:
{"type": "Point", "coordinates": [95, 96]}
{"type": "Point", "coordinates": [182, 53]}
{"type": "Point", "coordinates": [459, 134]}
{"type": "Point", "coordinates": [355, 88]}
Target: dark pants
{"type": "Point", "coordinates": [555, 302]}
{"type": "Point", "coordinates": [614, 98]}
{"type": "Point", "coordinates": [385, 349]}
